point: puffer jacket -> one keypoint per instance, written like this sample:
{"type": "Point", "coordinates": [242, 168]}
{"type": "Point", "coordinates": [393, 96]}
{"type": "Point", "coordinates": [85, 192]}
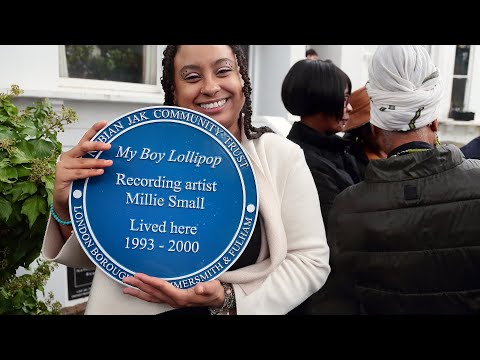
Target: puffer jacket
{"type": "Point", "coordinates": [407, 239]}
{"type": "Point", "coordinates": [472, 149]}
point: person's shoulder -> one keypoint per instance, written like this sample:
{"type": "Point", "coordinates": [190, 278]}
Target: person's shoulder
{"type": "Point", "coordinates": [352, 197]}
{"type": "Point", "coordinates": [276, 143]}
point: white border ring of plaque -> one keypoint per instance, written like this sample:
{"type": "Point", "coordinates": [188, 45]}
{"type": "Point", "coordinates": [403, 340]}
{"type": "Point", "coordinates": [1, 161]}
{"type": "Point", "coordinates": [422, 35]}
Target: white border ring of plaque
{"type": "Point", "coordinates": [179, 202]}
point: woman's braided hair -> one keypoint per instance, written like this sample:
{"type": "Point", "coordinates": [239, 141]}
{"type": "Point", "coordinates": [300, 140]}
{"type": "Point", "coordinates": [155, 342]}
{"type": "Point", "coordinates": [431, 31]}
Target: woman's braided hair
{"type": "Point", "coordinates": [167, 79]}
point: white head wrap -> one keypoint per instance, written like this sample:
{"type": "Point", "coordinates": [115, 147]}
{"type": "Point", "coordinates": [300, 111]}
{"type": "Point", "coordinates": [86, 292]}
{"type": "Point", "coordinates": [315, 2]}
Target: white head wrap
{"type": "Point", "coordinates": [404, 86]}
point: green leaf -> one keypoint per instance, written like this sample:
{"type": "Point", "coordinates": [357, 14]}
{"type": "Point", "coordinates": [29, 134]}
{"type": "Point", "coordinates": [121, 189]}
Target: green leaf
{"type": "Point", "coordinates": [8, 175]}
{"type": "Point", "coordinates": [17, 217]}
{"type": "Point", "coordinates": [5, 209]}
{"type": "Point", "coordinates": [10, 109]}
{"type": "Point", "coordinates": [49, 183]}
{"type": "Point", "coordinates": [4, 187]}
{"type": "Point", "coordinates": [6, 133]}
{"type": "Point", "coordinates": [30, 302]}
{"type": "Point", "coordinates": [33, 207]}
{"type": "Point", "coordinates": [22, 190]}
{"type": "Point", "coordinates": [29, 128]}
{"type": "Point", "coordinates": [39, 111]}
{"type": "Point", "coordinates": [22, 171]}
{"type": "Point", "coordinates": [18, 299]}
{"type": "Point", "coordinates": [5, 162]}
{"type": "Point", "coordinates": [42, 148]}
{"type": "Point", "coordinates": [22, 153]}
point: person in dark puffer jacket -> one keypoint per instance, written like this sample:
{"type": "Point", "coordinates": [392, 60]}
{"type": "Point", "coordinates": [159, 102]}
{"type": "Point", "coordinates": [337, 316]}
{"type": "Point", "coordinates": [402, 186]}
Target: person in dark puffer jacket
{"type": "Point", "coordinates": [471, 150]}
{"type": "Point", "coordinates": [319, 92]}
{"type": "Point", "coordinates": [406, 240]}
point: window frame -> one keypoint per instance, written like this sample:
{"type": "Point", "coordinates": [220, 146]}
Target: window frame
{"type": "Point", "coordinates": [469, 77]}
{"type": "Point", "coordinates": [106, 89]}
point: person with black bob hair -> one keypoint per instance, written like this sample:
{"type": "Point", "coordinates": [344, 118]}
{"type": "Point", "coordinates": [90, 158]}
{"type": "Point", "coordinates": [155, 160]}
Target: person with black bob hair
{"type": "Point", "coordinates": [319, 92]}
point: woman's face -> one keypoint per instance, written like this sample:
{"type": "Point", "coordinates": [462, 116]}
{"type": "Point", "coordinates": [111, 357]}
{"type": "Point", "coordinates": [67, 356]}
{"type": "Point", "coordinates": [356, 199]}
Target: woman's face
{"type": "Point", "coordinates": [338, 125]}
{"type": "Point", "coordinates": [207, 79]}
{"type": "Point", "coordinates": [347, 107]}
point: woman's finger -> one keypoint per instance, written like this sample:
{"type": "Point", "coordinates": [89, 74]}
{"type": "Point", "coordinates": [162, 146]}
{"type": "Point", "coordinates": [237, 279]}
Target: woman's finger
{"type": "Point", "coordinates": [149, 290]}
{"type": "Point", "coordinates": [71, 169]}
{"type": "Point", "coordinates": [141, 295]}
{"type": "Point", "coordinates": [93, 130]}
{"type": "Point", "coordinates": [76, 174]}
{"type": "Point", "coordinates": [84, 147]}
{"type": "Point", "coordinates": [84, 163]}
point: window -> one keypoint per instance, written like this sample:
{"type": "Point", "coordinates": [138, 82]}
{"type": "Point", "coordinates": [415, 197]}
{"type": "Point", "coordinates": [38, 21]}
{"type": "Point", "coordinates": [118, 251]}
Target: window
{"type": "Point", "coordinates": [461, 75]}
{"type": "Point", "coordinates": [121, 63]}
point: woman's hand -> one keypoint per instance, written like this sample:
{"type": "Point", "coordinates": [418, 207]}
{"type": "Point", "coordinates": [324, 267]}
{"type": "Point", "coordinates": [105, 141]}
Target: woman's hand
{"type": "Point", "coordinates": [156, 290]}
{"type": "Point", "coordinates": [72, 166]}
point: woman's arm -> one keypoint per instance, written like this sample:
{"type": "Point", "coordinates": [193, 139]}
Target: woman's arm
{"type": "Point", "coordinates": [60, 244]}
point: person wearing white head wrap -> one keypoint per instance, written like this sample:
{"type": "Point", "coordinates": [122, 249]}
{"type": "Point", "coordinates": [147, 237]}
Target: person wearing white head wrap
{"type": "Point", "coordinates": [405, 240]}
{"type": "Point", "coordinates": [404, 86]}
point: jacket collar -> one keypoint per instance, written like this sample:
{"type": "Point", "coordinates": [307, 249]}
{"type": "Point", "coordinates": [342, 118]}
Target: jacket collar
{"type": "Point", "coordinates": [306, 134]}
{"type": "Point", "coordinates": [415, 165]}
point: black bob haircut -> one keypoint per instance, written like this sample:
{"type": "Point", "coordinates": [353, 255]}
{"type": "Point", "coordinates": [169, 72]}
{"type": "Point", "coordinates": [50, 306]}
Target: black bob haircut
{"type": "Point", "coordinates": [315, 86]}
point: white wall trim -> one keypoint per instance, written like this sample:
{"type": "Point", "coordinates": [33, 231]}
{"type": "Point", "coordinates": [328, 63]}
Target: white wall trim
{"type": "Point", "coordinates": [85, 94]}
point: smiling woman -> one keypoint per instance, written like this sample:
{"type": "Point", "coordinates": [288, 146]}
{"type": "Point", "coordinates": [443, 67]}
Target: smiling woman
{"type": "Point", "coordinates": [286, 258]}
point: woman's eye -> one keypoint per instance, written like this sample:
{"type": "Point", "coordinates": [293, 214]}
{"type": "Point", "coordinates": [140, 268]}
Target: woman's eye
{"type": "Point", "coordinates": [192, 77]}
{"type": "Point", "coordinates": [223, 71]}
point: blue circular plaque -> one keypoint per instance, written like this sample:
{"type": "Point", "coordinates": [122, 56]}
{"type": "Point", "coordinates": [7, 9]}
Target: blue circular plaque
{"type": "Point", "coordinates": [179, 202]}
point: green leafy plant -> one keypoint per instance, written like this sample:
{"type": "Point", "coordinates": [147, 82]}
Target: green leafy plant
{"type": "Point", "coordinates": [19, 295]}
{"type": "Point", "coordinates": [28, 152]}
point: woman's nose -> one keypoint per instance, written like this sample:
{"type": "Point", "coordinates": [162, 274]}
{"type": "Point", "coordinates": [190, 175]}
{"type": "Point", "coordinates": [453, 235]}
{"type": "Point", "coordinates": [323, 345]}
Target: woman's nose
{"type": "Point", "coordinates": [210, 88]}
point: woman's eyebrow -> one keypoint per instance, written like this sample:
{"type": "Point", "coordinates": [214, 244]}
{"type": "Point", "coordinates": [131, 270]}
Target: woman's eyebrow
{"type": "Point", "coordinates": [222, 60]}
{"type": "Point", "coordinates": [196, 67]}
{"type": "Point", "coordinates": [189, 67]}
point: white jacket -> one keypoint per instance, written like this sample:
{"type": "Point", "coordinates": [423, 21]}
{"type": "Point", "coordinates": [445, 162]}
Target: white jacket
{"type": "Point", "coordinates": [294, 256]}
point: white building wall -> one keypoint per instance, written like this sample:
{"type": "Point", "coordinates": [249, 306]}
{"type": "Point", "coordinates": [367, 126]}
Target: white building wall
{"type": "Point", "coordinates": [444, 57]}
{"type": "Point", "coordinates": [474, 95]}
{"type": "Point", "coordinates": [331, 52]}
{"type": "Point", "coordinates": [353, 61]}
{"type": "Point", "coordinates": [272, 63]}
{"type": "Point", "coordinates": [32, 67]}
